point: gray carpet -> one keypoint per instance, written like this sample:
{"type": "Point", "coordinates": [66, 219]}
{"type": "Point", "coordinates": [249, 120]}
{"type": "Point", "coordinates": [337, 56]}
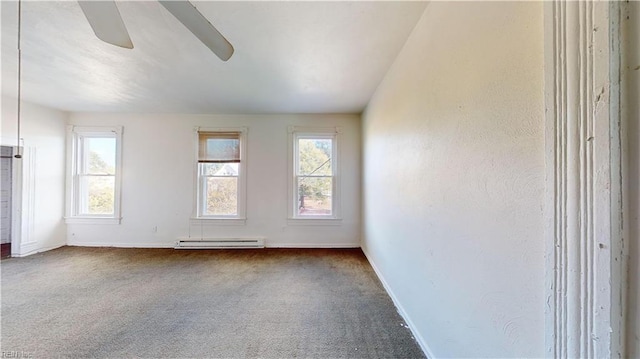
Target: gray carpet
{"type": "Point", "coordinates": [163, 303]}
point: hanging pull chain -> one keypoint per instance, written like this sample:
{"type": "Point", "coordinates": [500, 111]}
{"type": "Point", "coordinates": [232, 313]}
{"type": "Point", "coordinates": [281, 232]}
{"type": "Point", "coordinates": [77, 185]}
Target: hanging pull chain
{"type": "Point", "coordinates": [18, 154]}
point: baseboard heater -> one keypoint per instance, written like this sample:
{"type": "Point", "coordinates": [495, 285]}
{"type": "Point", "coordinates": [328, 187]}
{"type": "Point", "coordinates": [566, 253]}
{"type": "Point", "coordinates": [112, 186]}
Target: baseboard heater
{"type": "Point", "coordinates": [219, 243]}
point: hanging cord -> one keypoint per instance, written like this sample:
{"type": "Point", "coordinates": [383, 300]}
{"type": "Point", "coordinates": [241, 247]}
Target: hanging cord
{"type": "Point", "coordinates": [18, 154]}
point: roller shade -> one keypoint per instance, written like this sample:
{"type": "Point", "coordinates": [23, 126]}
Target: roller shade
{"type": "Point", "coordinates": [219, 147]}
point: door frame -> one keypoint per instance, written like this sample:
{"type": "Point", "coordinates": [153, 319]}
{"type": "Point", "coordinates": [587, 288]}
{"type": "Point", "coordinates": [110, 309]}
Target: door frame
{"type": "Point", "coordinates": [585, 259]}
{"type": "Point", "coordinates": [12, 204]}
{"type": "Point", "coordinates": [17, 205]}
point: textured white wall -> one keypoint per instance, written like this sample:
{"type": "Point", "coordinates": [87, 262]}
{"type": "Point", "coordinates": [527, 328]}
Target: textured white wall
{"type": "Point", "coordinates": [157, 183]}
{"type": "Point", "coordinates": [631, 118]}
{"type": "Point", "coordinates": [454, 176]}
{"type": "Point", "coordinates": [43, 130]}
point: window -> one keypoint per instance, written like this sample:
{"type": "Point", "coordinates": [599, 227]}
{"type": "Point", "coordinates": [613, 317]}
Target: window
{"type": "Point", "coordinates": [314, 185]}
{"type": "Point", "coordinates": [221, 173]}
{"type": "Point", "coordinates": [94, 181]}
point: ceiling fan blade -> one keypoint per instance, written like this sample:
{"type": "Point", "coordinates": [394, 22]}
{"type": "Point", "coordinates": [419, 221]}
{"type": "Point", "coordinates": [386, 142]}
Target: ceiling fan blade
{"type": "Point", "coordinates": [106, 22]}
{"type": "Point", "coordinates": [193, 20]}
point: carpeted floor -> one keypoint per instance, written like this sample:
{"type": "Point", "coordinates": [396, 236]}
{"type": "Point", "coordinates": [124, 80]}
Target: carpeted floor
{"type": "Point", "coordinates": [269, 303]}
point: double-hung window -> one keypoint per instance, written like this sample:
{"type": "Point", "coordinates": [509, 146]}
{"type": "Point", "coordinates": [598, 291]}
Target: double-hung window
{"type": "Point", "coordinates": [93, 185]}
{"type": "Point", "coordinates": [221, 173]}
{"type": "Point", "coordinates": [314, 186]}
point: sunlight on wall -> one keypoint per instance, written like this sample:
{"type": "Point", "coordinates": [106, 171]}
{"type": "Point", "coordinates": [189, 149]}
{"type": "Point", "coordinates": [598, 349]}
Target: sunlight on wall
{"type": "Point", "coordinates": [454, 179]}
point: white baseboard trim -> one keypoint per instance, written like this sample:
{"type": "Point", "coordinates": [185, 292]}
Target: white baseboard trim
{"type": "Point", "coordinates": [312, 245]}
{"type": "Point", "coordinates": [26, 249]}
{"type": "Point", "coordinates": [172, 245]}
{"type": "Point", "coordinates": [421, 342]}
{"type": "Point", "coordinates": [36, 250]}
{"type": "Point", "coordinates": [122, 245]}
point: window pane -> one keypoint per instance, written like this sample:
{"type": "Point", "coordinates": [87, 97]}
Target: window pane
{"type": "Point", "coordinates": [97, 194]}
{"type": "Point", "coordinates": [314, 195]}
{"type": "Point", "coordinates": [220, 169]}
{"type": "Point", "coordinates": [221, 196]}
{"type": "Point", "coordinates": [314, 157]}
{"type": "Point", "coordinates": [100, 155]}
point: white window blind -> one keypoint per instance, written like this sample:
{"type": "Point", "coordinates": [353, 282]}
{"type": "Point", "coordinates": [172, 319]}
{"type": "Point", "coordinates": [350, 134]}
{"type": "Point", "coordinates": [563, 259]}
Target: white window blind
{"type": "Point", "coordinates": [219, 147]}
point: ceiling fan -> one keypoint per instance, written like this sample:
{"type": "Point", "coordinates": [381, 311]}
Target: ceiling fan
{"type": "Point", "coordinates": [106, 22]}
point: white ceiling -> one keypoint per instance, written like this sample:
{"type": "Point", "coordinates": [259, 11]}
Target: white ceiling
{"type": "Point", "coordinates": [290, 57]}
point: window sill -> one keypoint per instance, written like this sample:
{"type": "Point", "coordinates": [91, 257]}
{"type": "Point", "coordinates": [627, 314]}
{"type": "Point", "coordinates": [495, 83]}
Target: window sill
{"type": "Point", "coordinates": [314, 221]}
{"type": "Point", "coordinates": [92, 220]}
{"type": "Point", "coordinates": [218, 221]}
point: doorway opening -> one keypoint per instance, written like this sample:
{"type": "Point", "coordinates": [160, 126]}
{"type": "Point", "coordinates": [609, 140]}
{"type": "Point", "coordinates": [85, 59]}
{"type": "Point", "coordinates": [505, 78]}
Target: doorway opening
{"type": "Point", "coordinates": [6, 199]}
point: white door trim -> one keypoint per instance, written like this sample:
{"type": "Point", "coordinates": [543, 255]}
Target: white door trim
{"type": "Point", "coordinates": [584, 259]}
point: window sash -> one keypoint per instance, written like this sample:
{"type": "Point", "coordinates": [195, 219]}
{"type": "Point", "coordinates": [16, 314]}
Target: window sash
{"type": "Point", "coordinates": [83, 196]}
{"type": "Point", "coordinates": [204, 194]}
{"type": "Point", "coordinates": [83, 152]}
{"type": "Point", "coordinates": [331, 189]}
{"type": "Point", "coordinates": [218, 176]}
{"type": "Point", "coordinates": [313, 176]}
{"type": "Point", "coordinates": [331, 160]}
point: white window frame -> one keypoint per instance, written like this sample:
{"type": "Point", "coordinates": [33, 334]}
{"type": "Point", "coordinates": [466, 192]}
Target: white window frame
{"type": "Point", "coordinates": [295, 134]}
{"type": "Point", "coordinates": [75, 136]}
{"type": "Point", "coordinates": [198, 194]}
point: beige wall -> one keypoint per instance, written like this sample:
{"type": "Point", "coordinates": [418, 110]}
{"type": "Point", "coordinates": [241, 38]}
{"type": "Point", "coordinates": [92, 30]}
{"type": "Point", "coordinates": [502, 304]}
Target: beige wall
{"type": "Point", "coordinates": [454, 178]}
{"type": "Point", "coordinates": [631, 198]}
{"type": "Point", "coordinates": [158, 156]}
